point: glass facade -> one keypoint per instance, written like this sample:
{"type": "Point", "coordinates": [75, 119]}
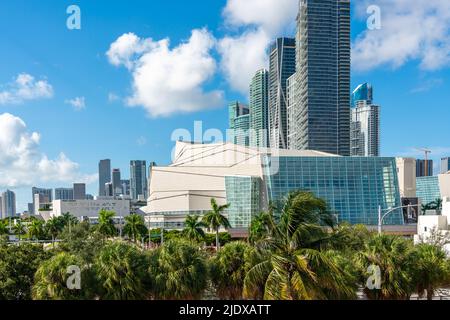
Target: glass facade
{"type": "Point", "coordinates": [428, 189]}
{"type": "Point", "coordinates": [352, 187]}
{"type": "Point", "coordinates": [322, 110]}
{"type": "Point", "coordinates": [259, 116]}
{"type": "Point", "coordinates": [363, 92]}
{"type": "Point", "coordinates": [243, 195]}
{"type": "Point", "coordinates": [445, 165]}
{"type": "Point", "coordinates": [138, 179]}
{"type": "Point", "coordinates": [239, 117]}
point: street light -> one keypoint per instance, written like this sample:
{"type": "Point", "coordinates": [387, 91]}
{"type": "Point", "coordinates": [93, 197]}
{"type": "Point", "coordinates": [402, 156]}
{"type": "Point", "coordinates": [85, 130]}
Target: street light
{"type": "Point", "coordinates": [390, 210]}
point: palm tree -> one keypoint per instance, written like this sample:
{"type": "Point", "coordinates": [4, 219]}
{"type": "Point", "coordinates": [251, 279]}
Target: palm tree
{"type": "Point", "coordinates": [392, 254]}
{"type": "Point", "coordinates": [51, 279]}
{"type": "Point", "coordinates": [228, 269]}
{"type": "Point", "coordinates": [53, 227]}
{"type": "Point", "coordinates": [19, 229]}
{"type": "Point", "coordinates": [121, 272]}
{"type": "Point", "coordinates": [36, 229]}
{"type": "Point", "coordinates": [292, 264]}
{"type": "Point", "coordinates": [261, 226]}
{"type": "Point", "coordinates": [134, 226]}
{"type": "Point", "coordinates": [4, 230]}
{"type": "Point", "coordinates": [193, 228]}
{"type": "Point", "coordinates": [179, 270]}
{"type": "Point", "coordinates": [106, 223]}
{"type": "Point", "coordinates": [215, 219]}
{"type": "Point", "coordinates": [430, 269]}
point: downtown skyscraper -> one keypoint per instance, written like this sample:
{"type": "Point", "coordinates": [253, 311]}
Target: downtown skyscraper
{"type": "Point", "coordinates": [104, 176]}
{"type": "Point", "coordinates": [320, 118]}
{"type": "Point", "coordinates": [259, 109]}
{"type": "Point", "coordinates": [282, 66]}
{"type": "Point", "coordinates": [138, 179]}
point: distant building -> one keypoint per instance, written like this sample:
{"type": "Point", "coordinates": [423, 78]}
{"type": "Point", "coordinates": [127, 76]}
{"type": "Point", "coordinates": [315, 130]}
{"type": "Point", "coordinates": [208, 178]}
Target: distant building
{"type": "Point", "coordinates": [109, 191]}
{"type": "Point", "coordinates": [406, 171]}
{"type": "Point", "coordinates": [138, 179]}
{"type": "Point", "coordinates": [104, 175]}
{"type": "Point", "coordinates": [433, 187]}
{"type": "Point", "coordinates": [90, 208]}
{"type": "Point", "coordinates": [445, 165]}
{"type": "Point", "coordinates": [126, 187]}
{"type": "Point", "coordinates": [365, 130]}
{"type": "Point", "coordinates": [8, 204]}
{"type": "Point", "coordinates": [282, 66]}
{"type": "Point", "coordinates": [116, 182]}
{"type": "Point", "coordinates": [363, 92]}
{"type": "Point", "coordinates": [424, 168]}
{"type": "Point", "coordinates": [89, 197]}
{"type": "Point", "coordinates": [259, 109]}
{"type": "Point", "coordinates": [293, 121]}
{"type": "Point", "coordinates": [64, 194]}
{"type": "Point", "coordinates": [79, 191]}
{"type": "Point", "coordinates": [239, 123]}
{"type": "Point", "coordinates": [46, 195]}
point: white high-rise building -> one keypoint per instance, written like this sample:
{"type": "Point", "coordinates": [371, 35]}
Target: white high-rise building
{"type": "Point", "coordinates": [365, 130]}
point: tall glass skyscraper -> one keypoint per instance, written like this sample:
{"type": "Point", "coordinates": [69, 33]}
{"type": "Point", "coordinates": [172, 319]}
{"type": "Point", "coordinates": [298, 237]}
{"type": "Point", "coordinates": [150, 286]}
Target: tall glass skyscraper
{"type": "Point", "coordinates": [282, 66]}
{"type": "Point", "coordinates": [322, 108]}
{"type": "Point", "coordinates": [104, 176]}
{"type": "Point", "coordinates": [365, 124]}
{"type": "Point", "coordinates": [116, 182]}
{"type": "Point", "coordinates": [239, 117]}
{"type": "Point", "coordinates": [259, 109]}
{"type": "Point", "coordinates": [445, 165]}
{"type": "Point", "coordinates": [138, 179]}
{"type": "Point", "coordinates": [64, 194]}
{"type": "Point", "coordinates": [8, 204]}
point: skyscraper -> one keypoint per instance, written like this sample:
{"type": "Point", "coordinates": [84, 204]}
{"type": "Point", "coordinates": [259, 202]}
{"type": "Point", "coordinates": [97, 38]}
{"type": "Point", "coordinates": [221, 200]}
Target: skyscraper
{"type": "Point", "coordinates": [259, 109]}
{"type": "Point", "coordinates": [365, 123]}
{"type": "Point", "coordinates": [282, 66]}
{"type": "Point", "coordinates": [138, 179]}
{"type": "Point", "coordinates": [104, 175]}
{"type": "Point", "coordinates": [445, 165]}
{"type": "Point", "coordinates": [291, 121]}
{"type": "Point", "coordinates": [8, 204]}
{"type": "Point", "coordinates": [322, 107]}
{"type": "Point", "coordinates": [116, 182]}
{"type": "Point", "coordinates": [126, 187]}
{"type": "Point", "coordinates": [239, 117]}
{"type": "Point", "coordinates": [63, 194]}
{"type": "Point", "coordinates": [79, 191]}
{"type": "Point", "coordinates": [45, 194]}
{"type": "Point", "coordinates": [424, 168]}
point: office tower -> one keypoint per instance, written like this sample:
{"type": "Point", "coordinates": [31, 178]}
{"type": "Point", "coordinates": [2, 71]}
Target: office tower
{"type": "Point", "coordinates": [47, 196]}
{"type": "Point", "coordinates": [282, 66]}
{"type": "Point", "coordinates": [8, 204]}
{"type": "Point", "coordinates": [445, 165]}
{"type": "Point", "coordinates": [363, 92]}
{"type": "Point", "coordinates": [365, 123]}
{"type": "Point", "coordinates": [292, 135]}
{"type": "Point", "coordinates": [116, 182]}
{"type": "Point", "coordinates": [89, 197]}
{"type": "Point", "coordinates": [109, 189]}
{"type": "Point", "coordinates": [424, 168]}
{"type": "Point", "coordinates": [259, 109]}
{"type": "Point", "coordinates": [138, 179]}
{"type": "Point", "coordinates": [79, 191]}
{"type": "Point", "coordinates": [322, 108]}
{"type": "Point", "coordinates": [104, 175]}
{"type": "Point", "coordinates": [63, 194]}
{"type": "Point", "coordinates": [126, 187]}
{"type": "Point", "coordinates": [239, 117]}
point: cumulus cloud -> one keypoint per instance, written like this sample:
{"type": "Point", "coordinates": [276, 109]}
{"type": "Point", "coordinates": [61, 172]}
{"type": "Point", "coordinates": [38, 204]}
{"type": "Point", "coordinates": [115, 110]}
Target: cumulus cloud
{"type": "Point", "coordinates": [78, 103]}
{"type": "Point", "coordinates": [409, 31]}
{"type": "Point", "coordinates": [23, 164]}
{"type": "Point", "coordinates": [23, 88]}
{"type": "Point", "coordinates": [168, 80]}
{"type": "Point", "coordinates": [253, 24]}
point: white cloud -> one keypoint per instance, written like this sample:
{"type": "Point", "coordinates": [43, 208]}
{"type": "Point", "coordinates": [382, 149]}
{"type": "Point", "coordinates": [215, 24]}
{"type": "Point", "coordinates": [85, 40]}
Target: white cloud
{"type": "Point", "coordinates": [258, 23]}
{"type": "Point", "coordinates": [78, 103]}
{"type": "Point", "coordinates": [168, 80]}
{"type": "Point", "coordinates": [23, 88]}
{"type": "Point", "coordinates": [23, 164]}
{"type": "Point", "coordinates": [409, 31]}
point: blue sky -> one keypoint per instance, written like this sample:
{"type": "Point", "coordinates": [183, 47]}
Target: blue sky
{"type": "Point", "coordinates": [126, 115]}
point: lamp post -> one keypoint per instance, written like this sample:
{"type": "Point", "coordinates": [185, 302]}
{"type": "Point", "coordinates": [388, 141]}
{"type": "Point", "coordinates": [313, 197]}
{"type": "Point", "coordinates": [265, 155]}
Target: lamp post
{"type": "Point", "coordinates": [390, 210]}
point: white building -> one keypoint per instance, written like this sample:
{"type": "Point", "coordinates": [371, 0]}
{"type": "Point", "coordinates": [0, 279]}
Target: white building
{"type": "Point", "coordinates": [83, 209]}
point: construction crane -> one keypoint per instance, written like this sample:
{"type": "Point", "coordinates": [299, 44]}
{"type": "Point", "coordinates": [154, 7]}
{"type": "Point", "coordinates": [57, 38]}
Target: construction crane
{"type": "Point", "coordinates": [427, 152]}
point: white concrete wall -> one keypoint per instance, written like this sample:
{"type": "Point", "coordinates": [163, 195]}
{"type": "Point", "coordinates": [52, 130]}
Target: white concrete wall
{"type": "Point", "coordinates": [90, 208]}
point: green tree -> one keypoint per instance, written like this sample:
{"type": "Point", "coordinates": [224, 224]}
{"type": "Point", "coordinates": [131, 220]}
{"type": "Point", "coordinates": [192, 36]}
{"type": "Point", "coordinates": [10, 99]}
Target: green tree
{"type": "Point", "coordinates": [4, 229]}
{"type": "Point", "coordinates": [135, 227]}
{"type": "Point", "coordinates": [228, 269]}
{"type": "Point", "coordinates": [18, 264]}
{"type": "Point", "coordinates": [121, 270]}
{"type": "Point", "coordinates": [53, 228]}
{"type": "Point", "coordinates": [392, 254]}
{"type": "Point", "coordinates": [106, 225]}
{"type": "Point", "coordinates": [215, 219]}
{"type": "Point", "coordinates": [179, 270]}
{"type": "Point", "coordinates": [19, 229]}
{"type": "Point", "coordinates": [292, 264]}
{"type": "Point", "coordinates": [193, 228]}
{"type": "Point", "coordinates": [430, 269]}
{"type": "Point", "coordinates": [261, 226]}
{"type": "Point", "coordinates": [36, 229]}
{"type": "Point", "coordinates": [53, 276]}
